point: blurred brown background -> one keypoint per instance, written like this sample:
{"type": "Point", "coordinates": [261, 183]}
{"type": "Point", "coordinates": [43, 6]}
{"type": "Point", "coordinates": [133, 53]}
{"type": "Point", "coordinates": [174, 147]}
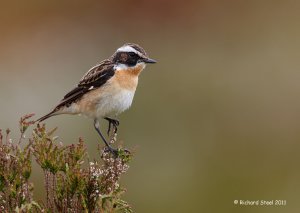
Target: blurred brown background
{"type": "Point", "coordinates": [217, 119]}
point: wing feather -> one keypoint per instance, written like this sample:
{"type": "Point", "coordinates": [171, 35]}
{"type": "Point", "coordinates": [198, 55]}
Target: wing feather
{"type": "Point", "coordinates": [93, 79]}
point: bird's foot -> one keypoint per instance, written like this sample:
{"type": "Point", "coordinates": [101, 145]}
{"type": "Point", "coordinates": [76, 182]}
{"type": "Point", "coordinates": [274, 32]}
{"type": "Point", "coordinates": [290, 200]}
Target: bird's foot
{"type": "Point", "coordinates": [117, 152]}
{"type": "Point", "coordinates": [114, 152]}
{"type": "Point", "coordinates": [112, 122]}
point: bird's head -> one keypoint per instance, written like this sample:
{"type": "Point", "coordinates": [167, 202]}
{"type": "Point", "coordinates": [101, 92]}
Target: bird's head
{"type": "Point", "coordinates": [130, 56]}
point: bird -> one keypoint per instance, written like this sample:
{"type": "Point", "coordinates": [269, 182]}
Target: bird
{"type": "Point", "coordinates": [106, 90]}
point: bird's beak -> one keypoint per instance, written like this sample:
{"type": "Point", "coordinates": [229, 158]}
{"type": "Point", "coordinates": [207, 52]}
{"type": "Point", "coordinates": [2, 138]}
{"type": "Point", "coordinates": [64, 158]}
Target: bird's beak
{"type": "Point", "coordinates": [149, 61]}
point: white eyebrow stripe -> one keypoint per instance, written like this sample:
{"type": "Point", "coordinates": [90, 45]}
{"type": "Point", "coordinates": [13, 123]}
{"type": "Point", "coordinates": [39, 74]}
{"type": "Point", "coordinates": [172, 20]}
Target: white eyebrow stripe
{"type": "Point", "coordinates": [128, 49]}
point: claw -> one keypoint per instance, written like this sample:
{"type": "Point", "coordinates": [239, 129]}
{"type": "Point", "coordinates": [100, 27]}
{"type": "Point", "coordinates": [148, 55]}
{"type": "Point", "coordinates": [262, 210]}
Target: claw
{"type": "Point", "coordinates": [114, 123]}
{"type": "Point", "coordinates": [109, 126]}
{"type": "Point", "coordinates": [113, 151]}
{"type": "Point", "coordinates": [127, 151]}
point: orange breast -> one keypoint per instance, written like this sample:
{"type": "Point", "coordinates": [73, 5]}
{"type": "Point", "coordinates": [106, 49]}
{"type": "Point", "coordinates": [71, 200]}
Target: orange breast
{"type": "Point", "coordinates": [128, 79]}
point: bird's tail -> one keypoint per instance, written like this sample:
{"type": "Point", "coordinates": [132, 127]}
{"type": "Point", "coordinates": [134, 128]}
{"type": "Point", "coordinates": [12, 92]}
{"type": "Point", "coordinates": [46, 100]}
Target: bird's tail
{"type": "Point", "coordinates": [50, 114]}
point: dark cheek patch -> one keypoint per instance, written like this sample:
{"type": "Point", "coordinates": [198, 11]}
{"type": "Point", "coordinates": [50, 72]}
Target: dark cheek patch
{"type": "Point", "coordinates": [126, 58]}
{"type": "Point", "coordinates": [123, 57]}
{"type": "Point", "coordinates": [131, 61]}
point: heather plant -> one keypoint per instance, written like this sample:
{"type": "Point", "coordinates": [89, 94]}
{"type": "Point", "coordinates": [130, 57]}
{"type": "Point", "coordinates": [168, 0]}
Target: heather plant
{"type": "Point", "coordinates": [72, 182]}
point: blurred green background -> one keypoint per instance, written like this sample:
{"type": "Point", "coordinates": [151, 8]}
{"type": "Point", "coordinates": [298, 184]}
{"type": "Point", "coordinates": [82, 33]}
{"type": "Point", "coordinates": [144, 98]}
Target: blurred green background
{"type": "Point", "coordinates": [217, 119]}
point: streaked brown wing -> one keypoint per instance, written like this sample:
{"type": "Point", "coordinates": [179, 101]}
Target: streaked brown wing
{"type": "Point", "coordinates": [96, 73]}
{"type": "Point", "coordinates": [93, 79]}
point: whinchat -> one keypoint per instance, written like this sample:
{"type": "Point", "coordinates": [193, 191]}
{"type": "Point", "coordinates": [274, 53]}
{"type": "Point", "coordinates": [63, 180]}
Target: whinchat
{"type": "Point", "coordinates": [107, 89]}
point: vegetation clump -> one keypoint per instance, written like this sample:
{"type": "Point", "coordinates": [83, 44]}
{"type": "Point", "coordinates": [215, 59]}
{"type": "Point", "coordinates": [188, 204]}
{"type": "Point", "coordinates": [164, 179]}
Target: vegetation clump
{"type": "Point", "coordinates": [72, 182]}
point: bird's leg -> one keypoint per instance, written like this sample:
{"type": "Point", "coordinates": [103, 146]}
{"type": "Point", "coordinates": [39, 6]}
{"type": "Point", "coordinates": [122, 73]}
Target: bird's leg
{"type": "Point", "coordinates": [112, 150]}
{"type": "Point", "coordinates": [115, 123]}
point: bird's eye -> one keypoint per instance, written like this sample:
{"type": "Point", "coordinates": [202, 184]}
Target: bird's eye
{"type": "Point", "coordinates": [132, 54]}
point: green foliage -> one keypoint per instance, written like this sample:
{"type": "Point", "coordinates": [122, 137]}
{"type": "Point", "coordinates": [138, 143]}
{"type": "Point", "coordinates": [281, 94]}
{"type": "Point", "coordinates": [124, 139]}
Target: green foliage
{"type": "Point", "coordinates": [72, 182]}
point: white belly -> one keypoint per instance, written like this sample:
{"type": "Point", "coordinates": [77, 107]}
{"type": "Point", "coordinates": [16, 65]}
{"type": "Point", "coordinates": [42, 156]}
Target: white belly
{"type": "Point", "coordinates": [114, 104]}
{"type": "Point", "coordinates": [106, 101]}
{"type": "Point", "coordinates": [102, 104]}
